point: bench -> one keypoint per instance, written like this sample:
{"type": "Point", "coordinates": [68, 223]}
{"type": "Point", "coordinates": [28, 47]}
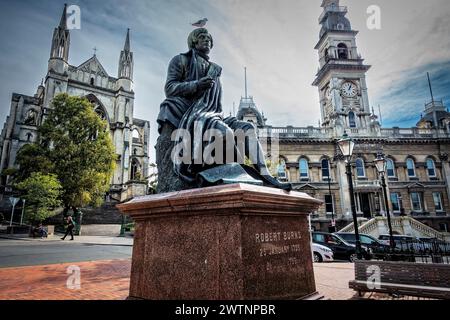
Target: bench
{"type": "Point", "coordinates": [402, 278]}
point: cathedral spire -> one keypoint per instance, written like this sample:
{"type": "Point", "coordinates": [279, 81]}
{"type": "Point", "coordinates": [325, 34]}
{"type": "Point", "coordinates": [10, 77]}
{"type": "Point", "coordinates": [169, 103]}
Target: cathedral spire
{"type": "Point", "coordinates": [126, 62]}
{"type": "Point", "coordinates": [61, 39]}
{"type": "Point", "coordinates": [63, 22]}
{"type": "Point", "coordinates": [127, 42]}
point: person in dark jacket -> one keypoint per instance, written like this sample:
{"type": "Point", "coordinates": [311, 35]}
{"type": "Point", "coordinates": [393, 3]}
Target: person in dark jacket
{"type": "Point", "coordinates": [70, 226]}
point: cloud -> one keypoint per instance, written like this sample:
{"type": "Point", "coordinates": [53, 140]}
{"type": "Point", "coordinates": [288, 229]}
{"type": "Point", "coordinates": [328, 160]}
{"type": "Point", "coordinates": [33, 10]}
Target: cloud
{"type": "Point", "coordinates": [274, 39]}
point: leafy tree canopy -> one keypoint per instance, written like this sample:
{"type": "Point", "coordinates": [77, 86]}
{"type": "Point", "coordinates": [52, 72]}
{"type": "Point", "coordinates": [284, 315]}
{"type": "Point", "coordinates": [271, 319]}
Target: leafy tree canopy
{"type": "Point", "coordinates": [76, 146]}
{"type": "Point", "coordinates": [41, 193]}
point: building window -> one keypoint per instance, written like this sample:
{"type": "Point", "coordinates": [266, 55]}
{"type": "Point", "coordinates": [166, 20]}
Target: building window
{"type": "Point", "coordinates": [390, 168]}
{"type": "Point", "coordinates": [281, 170]}
{"type": "Point", "coordinates": [327, 57]}
{"type": "Point", "coordinates": [437, 202]}
{"type": "Point", "coordinates": [411, 167]}
{"type": "Point", "coordinates": [352, 119]}
{"type": "Point", "coordinates": [304, 169]}
{"type": "Point", "coordinates": [325, 169]}
{"type": "Point", "coordinates": [431, 168]}
{"type": "Point", "coordinates": [135, 170]}
{"type": "Point", "coordinates": [395, 200]}
{"type": "Point", "coordinates": [329, 204]}
{"type": "Point", "coordinates": [29, 137]}
{"type": "Point", "coordinates": [342, 51]}
{"type": "Point", "coordinates": [443, 227]}
{"type": "Point", "coordinates": [92, 81]}
{"type": "Point", "coordinates": [416, 203]}
{"type": "Point", "coordinates": [360, 171]}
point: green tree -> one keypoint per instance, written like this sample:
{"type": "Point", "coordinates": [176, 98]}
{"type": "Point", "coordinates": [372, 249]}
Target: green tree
{"type": "Point", "coordinates": [79, 145]}
{"type": "Point", "coordinates": [41, 193]}
{"type": "Point", "coordinates": [32, 158]}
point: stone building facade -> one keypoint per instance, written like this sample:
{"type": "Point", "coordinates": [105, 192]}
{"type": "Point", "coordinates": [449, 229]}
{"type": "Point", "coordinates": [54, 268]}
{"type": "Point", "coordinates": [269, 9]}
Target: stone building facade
{"type": "Point", "coordinates": [418, 164]}
{"type": "Point", "coordinates": [113, 100]}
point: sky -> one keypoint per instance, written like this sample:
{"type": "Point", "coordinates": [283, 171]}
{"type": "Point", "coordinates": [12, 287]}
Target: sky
{"type": "Point", "coordinates": [274, 39]}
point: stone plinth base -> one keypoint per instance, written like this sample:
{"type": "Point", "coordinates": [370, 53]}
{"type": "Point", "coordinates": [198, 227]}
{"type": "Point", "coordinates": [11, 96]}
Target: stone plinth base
{"type": "Point", "coordinates": [231, 242]}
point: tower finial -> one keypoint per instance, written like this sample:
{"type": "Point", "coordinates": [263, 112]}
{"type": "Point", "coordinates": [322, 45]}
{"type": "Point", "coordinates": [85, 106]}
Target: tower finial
{"type": "Point", "coordinates": [431, 89]}
{"type": "Point", "coordinates": [63, 22]}
{"type": "Point", "coordinates": [245, 71]}
{"type": "Point", "coordinates": [127, 46]}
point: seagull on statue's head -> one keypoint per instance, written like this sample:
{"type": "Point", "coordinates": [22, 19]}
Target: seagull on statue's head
{"type": "Point", "coordinates": [200, 23]}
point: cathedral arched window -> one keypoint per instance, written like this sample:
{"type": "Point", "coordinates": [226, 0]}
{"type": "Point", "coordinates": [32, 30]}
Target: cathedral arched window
{"type": "Point", "coordinates": [29, 137]}
{"type": "Point", "coordinates": [360, 169]}
{"type": "Point", "coordinates": [352, 119]}
{"type": "Point", "coordinates": [99, 111]}
{"type": "Point", "coordinates": [31, 118]}
{"type": "Point", "coordinates": [342, 51]}
{"type": "Point", "coordinates": [136, 136]}
{"type": "Point", "coordinates": [92, 81]}
{"type": "Point", "coordinates": [135, 170]}
{"type": "Point", "coordinates": [431, 168]}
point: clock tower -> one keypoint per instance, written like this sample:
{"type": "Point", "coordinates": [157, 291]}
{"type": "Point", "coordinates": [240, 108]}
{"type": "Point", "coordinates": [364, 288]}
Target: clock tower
{"type": "Point", "coordinates": [341, 79]}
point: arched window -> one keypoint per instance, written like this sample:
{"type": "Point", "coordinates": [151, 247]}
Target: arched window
{"type": "Point", "coordinates": [304, 169]}
{"type": "Point", "coordinates": [99, 111]}
{"type": "Point", "coordinates": [390, 168]}
{"type": "Point", "coordinates": [135, 170]}
{"type": "Point", "coordinates": [135, 152]}
{"type": "Point", "coordinates": [411, 167]}
{"type": "Point", "coordinates": [29, 137]}
{"type": "Point", "coordinates": [326, 55]}
{"type": "Point", "coordinates": [281, 170]}
{"type": "Point", "coordinates": [325, 169]}
{"type": "Point", "coordinates": [31, 117]}
{"type": "Point", "coordinates": [360, 170]}
{"type": "Point", "coordinates": [342, 51]}
{"type": "Point", "coordinates": [92, 81]}
{"type": "Point", "coordinates": [431, 168]}
{"type": "Point", "coordinates": [352, 119]}
{"type": "Point", "coordinates": [136, 136]}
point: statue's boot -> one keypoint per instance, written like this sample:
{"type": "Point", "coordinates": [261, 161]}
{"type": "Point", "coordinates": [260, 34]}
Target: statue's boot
{"type": "Point", "coordinates": [267, 179]}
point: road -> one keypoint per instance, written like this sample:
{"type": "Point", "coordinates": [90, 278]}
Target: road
{"type": "Point", "coordinates": [17, 253]}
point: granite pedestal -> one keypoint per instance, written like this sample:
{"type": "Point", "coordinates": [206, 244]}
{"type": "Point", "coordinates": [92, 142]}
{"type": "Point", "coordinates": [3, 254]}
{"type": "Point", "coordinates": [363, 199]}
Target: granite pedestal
{"type": "Point", "coordinates": [230, 242]}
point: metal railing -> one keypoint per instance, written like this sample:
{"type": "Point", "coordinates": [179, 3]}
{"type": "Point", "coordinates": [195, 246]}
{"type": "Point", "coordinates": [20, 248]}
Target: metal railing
{"type": "Point", "coordinates": [332, 8]}
{"type": "Point", "coordinates": [416, 251]}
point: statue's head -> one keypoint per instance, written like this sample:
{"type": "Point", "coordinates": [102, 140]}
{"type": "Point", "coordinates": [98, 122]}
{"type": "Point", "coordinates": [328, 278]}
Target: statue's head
{"type": "Point", "coordinates": [201, 40]}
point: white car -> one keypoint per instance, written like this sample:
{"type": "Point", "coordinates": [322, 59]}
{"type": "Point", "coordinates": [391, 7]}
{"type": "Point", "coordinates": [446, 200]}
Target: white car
{"type": "Point", "coordinates": [321, 253]}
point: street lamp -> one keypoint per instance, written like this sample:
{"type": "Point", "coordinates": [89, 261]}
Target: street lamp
{"type": "Point", "coordinates": [346, 144]}
{"type": "Point", "coordinates": [380, 164]}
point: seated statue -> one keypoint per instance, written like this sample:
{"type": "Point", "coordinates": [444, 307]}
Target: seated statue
{"type": "Point", "coordinates": [191, 122]}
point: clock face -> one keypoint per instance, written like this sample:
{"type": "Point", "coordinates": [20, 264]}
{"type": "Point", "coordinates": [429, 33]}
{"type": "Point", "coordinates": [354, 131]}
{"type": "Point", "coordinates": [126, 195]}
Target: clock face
{"type": "Point", "coordinates": [349, 89]}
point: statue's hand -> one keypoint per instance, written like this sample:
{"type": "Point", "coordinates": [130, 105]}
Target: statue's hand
{"type": "Point", "coordinates": [205, 83]}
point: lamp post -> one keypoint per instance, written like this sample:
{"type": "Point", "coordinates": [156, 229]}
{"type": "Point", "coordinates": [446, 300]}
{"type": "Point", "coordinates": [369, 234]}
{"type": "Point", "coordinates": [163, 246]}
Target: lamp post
{"type": "Point", "coordinates": [346, 145]}
{"type": "Point", "coordinates": [332, 229]}
{"type": "Point", "coordinates": [380, 164]}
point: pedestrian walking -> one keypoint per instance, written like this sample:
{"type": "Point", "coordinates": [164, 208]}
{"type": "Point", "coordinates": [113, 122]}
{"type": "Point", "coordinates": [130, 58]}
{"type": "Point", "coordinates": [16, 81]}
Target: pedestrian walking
{"type": "Point", "coordinates": [70, 227]}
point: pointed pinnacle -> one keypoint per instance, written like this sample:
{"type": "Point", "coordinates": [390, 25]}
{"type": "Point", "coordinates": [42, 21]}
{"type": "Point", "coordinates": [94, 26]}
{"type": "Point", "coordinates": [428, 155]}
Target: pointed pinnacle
{"type": "Point", "coordinates": [63, 22]}
{"type": "Point", "coordinates": [127, 46]}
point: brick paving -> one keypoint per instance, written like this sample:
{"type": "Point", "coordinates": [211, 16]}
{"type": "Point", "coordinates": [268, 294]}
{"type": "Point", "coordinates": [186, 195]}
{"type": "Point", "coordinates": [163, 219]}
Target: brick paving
{"type": "Point", "coordinates": [100, 280]}
{"type": "Point", "coordinates": [110, 279]}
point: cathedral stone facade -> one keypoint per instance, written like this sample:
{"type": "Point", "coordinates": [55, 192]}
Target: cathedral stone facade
{"type": "Point", "coordinates": [418, 167]}
{"type": "Point", "coordinates": [113, 100]}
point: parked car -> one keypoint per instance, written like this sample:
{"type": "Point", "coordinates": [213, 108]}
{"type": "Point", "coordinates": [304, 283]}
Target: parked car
{"type": "Point", "coordinates": [321, 253]}
{"type": "Point", "coordinates": [342, 250]}
{"type": "Point", "coordinates": [377, 248]}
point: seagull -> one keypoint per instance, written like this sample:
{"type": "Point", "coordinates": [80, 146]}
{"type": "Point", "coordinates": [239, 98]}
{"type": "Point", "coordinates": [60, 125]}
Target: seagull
{"type": "Point", "coordinates": [200, 23]}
